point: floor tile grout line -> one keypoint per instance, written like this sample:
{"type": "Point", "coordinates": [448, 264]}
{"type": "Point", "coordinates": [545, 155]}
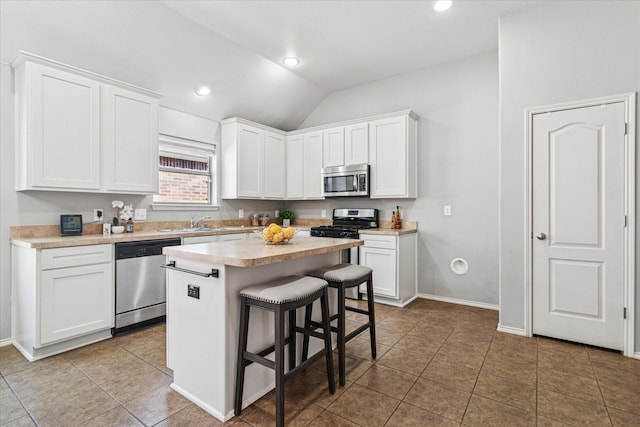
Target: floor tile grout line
{"type": "Point", "coordinates": [537, 376]}
{"type": "Point", "coordinates": [466, 408]}
{"type": "Point", "coordinates": [120, 404]}
{"type": "Point", "coordinates": [13, 392]}
{"type": "Point", "coordinates": [596, 376]}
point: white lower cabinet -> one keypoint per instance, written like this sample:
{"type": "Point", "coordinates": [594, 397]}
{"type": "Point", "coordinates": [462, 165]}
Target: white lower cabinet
{"type": "Point", "coordinates": [63, 298]}
{"type": "Point", "coordinates": [393, 260]}
{"type": "Point", "coordinates": [75, 301]}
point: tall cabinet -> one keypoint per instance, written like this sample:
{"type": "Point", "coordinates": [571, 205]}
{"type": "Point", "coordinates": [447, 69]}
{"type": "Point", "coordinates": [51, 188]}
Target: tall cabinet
{"type": "Point", "coordinates": [393, 157]}
{"type": "Point", "coordinates": [80, 131]}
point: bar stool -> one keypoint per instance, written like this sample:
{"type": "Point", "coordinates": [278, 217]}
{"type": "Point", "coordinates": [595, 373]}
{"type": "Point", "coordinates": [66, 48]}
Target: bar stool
{"type": "Point", "coordinates": [280, 296]}
{"type": "Point", "coordinates": [341, 277]}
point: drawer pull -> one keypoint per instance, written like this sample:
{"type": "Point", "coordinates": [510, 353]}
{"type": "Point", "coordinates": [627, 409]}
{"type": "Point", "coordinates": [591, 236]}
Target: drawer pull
{"type": "Point", "coordinates": [172, 266]}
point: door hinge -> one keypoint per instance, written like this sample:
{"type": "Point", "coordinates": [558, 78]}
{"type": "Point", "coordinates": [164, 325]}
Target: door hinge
{"type": "Point", "coordinates": [624, 313]}
{"type": "Point", "coordinates": [626, 128]}
{"type": "Point", "coordinates": [625, 220]}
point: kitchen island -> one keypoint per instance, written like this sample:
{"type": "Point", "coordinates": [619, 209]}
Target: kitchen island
{"type": "Point", "coordinates": [203, 312]}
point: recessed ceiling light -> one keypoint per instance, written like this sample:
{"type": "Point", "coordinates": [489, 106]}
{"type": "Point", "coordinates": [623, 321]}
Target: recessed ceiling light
{"type": "Point", "coordinates": [291, 61]}
{"type": "Point", "coordinates": [203, 91]}
{"type": "Point", "coordinates": [442, 5]}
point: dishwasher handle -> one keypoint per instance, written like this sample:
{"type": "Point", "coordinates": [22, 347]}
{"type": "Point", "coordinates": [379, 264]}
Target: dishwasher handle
{"type": "Point", "coordinates": [172, 266]}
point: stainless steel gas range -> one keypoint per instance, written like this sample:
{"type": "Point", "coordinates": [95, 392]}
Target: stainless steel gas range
{"type": "Point", "coordinates": [346, 224]}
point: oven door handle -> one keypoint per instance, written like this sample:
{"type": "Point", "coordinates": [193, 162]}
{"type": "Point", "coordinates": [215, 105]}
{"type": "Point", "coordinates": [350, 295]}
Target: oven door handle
{"type": "Point", "coordinates": [172, 266]}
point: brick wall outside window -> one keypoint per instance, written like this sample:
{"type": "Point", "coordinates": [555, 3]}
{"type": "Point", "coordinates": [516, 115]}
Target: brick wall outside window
{"type": "Point", "coordinates": [182, 188]}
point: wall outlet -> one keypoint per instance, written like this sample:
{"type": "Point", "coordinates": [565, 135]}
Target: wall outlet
{"type": "Point", "coordinates": [98, 215]}
{"type": "Point", "coordinates": [447, 210]}
{"type": "Point", "coordinates": [193, 291]}
{"type": "Point", "coordinates": [140, 214]}
{"type": "Point", "coordinates": [323, 213]}
{"type": "Point", "coordinates": [240, 213]}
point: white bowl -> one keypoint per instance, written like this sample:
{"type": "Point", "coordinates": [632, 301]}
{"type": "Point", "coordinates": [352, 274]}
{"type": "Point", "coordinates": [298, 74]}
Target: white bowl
{"type": "Point", "coordinates": [117, 229]}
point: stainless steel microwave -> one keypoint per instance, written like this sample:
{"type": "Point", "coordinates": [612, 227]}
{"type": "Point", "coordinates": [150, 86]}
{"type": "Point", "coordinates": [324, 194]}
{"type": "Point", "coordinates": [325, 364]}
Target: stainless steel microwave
{"type": "Point", "coordinates": [352, 180]}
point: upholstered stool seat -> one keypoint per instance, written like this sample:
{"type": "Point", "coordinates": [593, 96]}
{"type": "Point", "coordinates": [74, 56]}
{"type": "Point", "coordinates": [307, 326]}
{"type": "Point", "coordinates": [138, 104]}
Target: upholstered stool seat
{"type": "Point", "coordinates": [281, 296]}
{"type": "Point", "coordinates": [342, 277]}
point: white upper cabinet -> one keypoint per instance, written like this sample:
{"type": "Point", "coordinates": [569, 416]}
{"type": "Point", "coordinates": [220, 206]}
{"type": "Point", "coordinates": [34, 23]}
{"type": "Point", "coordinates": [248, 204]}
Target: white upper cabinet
{"type": "Point", "coordinates": [312, 159]}
{"type": "Point", "coordinates": [79, 131]}
{"type": "Point", "coordinates": [346, 145]}
{"type": "Point", "coordinates": [253, 161]}
{"type": "Point", "coordinates": [392, 157]}
{"type": "Point", "coordinates": [259, 162]}
{"type": "Point", "coordinates": [304, 161]}
{"type": "Point", "coordinates": [333, 147]}
{"type": "Point", "coordinates": [295, 168]}
{"type": "Point", "coordinates": [58, 129]}
{"type": "Point", "coordinates": [274, 166]}
{"type": "Point", "coordinates": [130, 134]}
{"type": "Point", "coordinates": [356, 144]}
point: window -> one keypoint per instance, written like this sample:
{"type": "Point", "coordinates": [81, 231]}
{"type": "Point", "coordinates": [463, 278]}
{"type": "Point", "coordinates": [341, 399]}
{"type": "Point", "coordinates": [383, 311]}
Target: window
{"type": "Point", "coordinates": [186, 173]}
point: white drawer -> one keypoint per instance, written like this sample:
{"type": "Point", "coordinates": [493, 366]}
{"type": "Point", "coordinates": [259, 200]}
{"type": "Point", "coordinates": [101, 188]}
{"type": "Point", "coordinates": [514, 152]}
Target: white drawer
{"type": "Point", "coordinates": [379, 241]}
{"type": "Point", "coordinates": [75, 256]}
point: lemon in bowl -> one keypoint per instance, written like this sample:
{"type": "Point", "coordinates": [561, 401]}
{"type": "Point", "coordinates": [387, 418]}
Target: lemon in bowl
{"type": "Point", "coordinates": [276, 235]}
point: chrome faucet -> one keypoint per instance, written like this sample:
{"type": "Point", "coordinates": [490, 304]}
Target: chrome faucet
{"type": "Point", "coordinates": [197, 223]}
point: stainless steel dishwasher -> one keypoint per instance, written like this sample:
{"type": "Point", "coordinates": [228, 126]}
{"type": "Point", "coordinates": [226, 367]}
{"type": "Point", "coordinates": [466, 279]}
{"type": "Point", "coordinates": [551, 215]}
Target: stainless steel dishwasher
{"type": "Point", "coordinates": [141, 293]}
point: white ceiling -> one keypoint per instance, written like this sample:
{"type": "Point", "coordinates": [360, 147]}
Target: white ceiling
{"type": "Point", "coordinates": [348, 43]}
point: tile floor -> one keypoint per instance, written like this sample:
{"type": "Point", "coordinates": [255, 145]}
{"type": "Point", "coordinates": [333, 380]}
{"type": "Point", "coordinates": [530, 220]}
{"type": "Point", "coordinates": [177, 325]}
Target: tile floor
{"type": "Point", "coordinates": [438, 365]}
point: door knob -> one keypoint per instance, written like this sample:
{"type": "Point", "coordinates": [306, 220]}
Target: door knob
{"type": "Point", "coordinates": [541, 236]}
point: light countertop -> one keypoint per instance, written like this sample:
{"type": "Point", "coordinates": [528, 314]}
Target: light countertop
{"type": "Point", "coordinates": [99, 239]}
{"type": "Point", "coordinates": [48, 240]}
{"type": "Point", "coordinates": [254, 252]}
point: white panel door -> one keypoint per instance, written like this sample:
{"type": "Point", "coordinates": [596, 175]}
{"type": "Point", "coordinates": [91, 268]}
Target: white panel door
{"type": "Point", "coordinates": [250, 163]}
{"type": "Point", "coordinates": [65, 109]}
{"type": "Point", "coordinates": [383, 263]}
{"type": "Point", "coordinates": [356, 144]}
{"type": "Point", "coordinates": [130, 130]}
{"type": "Point", "coordinates": [295, 168]}
{"type": "Point", "coordinates": [76, 301]}
{"type": "Point", "coordinates": [333, 146]}
{"type": "Point", "coordinates": [388, 157]}
{"type": "Point", "coordinates": [578, 225]}
{"type": "Point", "coordinates": [274, 166]}
{"type": "Point", "coordinates": [312, 152]}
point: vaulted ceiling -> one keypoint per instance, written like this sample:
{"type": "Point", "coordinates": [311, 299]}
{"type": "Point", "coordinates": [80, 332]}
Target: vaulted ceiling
{"type": "Point", "coordinates": [236, 47]}
{"type": "Point", "coordinates": [347, 43]}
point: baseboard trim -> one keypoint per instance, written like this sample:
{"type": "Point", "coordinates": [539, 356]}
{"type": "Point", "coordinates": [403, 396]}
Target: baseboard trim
{"type": "Point", "coordinates": [5, 342]}
{"type": "Point", "coordinates": [636, 355]}
{"type": "Point", "coordinates": [513, 331]}
{"type": "Point", "coordinates": [460, 301]}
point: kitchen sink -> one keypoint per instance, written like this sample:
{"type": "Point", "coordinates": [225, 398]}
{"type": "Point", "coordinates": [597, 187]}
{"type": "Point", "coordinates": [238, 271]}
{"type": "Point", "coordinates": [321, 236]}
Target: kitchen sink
{"type": "Point", "coordinates": [202, 230]}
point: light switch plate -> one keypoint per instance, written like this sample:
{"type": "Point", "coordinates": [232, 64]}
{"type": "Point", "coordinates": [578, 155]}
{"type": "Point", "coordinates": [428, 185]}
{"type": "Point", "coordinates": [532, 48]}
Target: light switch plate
{"type": "Point", "coordinates": [140, 214]}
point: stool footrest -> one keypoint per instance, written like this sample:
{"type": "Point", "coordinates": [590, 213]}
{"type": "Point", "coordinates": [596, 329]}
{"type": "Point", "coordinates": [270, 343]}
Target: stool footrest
{"type": "Point", "coordinates": [304, 364]}
{"type": "Point", "coordinates": [264, 352]}
{"type": "Point", "coordinates": [310, 332]}
{"type": "Point", "coordinates": [252, 357]}
{"type": "Point", "coordinates": [356, 331]}
{"type": "Point", "coordinates": [357, 310]}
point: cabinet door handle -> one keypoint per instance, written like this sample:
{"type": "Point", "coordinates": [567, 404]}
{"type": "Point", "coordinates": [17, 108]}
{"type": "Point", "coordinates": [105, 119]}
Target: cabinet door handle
{"type": "Point", "coordinates": [172, 266]}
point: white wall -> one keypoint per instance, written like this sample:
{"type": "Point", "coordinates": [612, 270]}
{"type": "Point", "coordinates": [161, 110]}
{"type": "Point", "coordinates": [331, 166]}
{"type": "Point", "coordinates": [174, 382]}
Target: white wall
{"type": "Point", "coordinates": [561, 52]}
{"type": "Point", "coordinates": [457, 165]}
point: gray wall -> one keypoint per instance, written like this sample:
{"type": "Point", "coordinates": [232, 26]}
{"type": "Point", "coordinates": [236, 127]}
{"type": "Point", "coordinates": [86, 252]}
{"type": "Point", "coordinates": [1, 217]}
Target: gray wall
{"type": "Point", "coordinates": [562, 52]}
{"type": "Point", "coordinates": [457, 165]}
